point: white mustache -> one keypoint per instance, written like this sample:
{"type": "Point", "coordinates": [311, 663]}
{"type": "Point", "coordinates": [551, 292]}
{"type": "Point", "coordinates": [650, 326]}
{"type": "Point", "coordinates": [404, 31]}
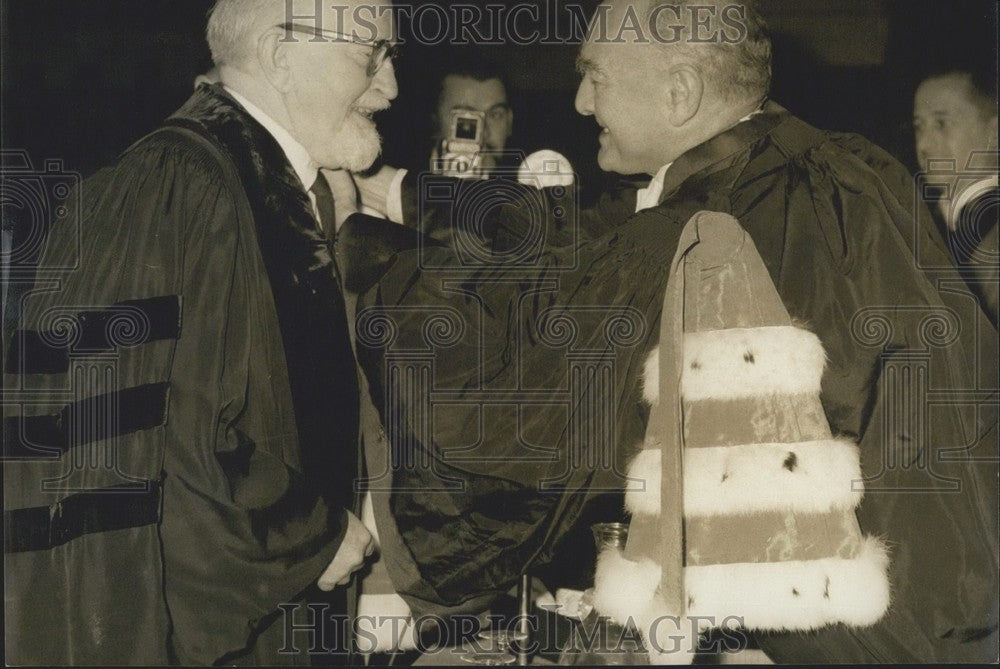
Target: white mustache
{"type": "Point", "coordinates": [377, 106]}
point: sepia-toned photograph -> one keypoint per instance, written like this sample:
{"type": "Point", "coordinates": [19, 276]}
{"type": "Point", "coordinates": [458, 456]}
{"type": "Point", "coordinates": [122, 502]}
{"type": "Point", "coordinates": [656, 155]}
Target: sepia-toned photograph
{"type": "Point", "coordinates": [378, 333]}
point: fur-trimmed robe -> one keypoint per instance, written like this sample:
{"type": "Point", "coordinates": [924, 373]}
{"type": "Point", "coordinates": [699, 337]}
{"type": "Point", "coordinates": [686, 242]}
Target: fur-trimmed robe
{"type": "Point", "coordinates": [738, 444]}
{"type": "Point", "coordinates": [852, 258]}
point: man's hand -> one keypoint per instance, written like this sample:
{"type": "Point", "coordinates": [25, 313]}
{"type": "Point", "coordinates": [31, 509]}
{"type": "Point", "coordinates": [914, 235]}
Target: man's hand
{"type": "Point", "coordinates": [356, 546]}
{"type": "Point", "coordinates": [374, 189]}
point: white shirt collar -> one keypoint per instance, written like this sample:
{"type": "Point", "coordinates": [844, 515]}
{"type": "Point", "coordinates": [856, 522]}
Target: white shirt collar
{"type": "Point", "coordinates": [650, 195]}
{"type": "Point", "coordinates": [305, 167]}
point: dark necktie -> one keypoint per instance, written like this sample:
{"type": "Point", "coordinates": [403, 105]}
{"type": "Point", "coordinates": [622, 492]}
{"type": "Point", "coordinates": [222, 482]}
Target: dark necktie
{"type": "Point", "coordinates": [327, 209]}
{"type": "Point", "coordinates": [325, 206]}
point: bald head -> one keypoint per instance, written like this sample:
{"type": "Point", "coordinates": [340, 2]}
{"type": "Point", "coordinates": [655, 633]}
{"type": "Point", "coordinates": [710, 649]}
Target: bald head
{"type": "Point", "coordinates": [725, 40]}
{"type": "Point", "coordinates": [663, 77]}
{"type": "Point", "coordinates": [235, 26]}
{"type": "Point", "coordinates": [320, 70]}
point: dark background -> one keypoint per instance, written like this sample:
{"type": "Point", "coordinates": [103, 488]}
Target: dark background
{"type": "Point", "coordinates": [82, 79]}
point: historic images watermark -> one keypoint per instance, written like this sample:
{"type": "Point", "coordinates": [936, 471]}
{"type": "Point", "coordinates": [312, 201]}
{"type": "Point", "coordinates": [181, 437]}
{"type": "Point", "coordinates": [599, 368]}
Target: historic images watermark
{"type": "Point", "coordinates": [314, 628]}
{"type": "Point", "coordinates": [522, 24]}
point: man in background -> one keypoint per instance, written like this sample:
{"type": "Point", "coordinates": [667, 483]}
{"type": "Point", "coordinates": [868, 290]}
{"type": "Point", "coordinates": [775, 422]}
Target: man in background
{"type": "Point", "coordinates": [955, 127]}
{"type": "Point", "coordinates": [474, 85]}
{"type": "Point", "coordinates": [187, 442]}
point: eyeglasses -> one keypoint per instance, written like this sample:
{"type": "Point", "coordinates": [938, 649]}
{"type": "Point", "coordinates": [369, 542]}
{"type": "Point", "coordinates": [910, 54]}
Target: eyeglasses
{"type": "Point", "coordinates": [382, 49]}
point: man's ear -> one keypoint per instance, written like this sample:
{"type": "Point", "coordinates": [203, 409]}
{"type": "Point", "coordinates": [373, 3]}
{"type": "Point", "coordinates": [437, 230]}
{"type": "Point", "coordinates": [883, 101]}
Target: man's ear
{"type": "Point", "coordinates": [685, 88]}
{"type": "Point", "coordinates": [992, 140]}
{"type": "Point", "coordinates": [272, 56]}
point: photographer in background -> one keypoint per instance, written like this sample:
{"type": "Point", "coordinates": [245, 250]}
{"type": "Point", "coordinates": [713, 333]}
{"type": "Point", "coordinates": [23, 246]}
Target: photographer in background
{"type": "Point", "coordinates": [472, 123]}
{"type": "Point", "coordinates": [955, 119]}
{"type": "Point", "coordinates": [472, 118]}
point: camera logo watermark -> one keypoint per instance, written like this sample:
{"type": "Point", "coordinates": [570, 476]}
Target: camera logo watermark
{"type": "Point", "coordinates": [965, 198]}
{"type": "Point", "coordinates": [511, 221]}
{"type": "Point", "coordinates": [62, 401]}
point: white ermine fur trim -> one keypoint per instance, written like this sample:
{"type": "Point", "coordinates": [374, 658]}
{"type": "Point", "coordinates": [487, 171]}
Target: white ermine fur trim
{"type": "Point", "coordinates": [624, 589]}
{"type": "Point", "coordinates": [643, 492]}
{"type": "Point", "coordinates": [782, 596]}
{"type": "Point", "coordinates": [651, 378]}
{"type": "Point", "coordinates": [806, 476]}
{"type": "Point", "coordinates": [733, 363]}
{"type": "Point", "coordinates": [800, 595]}
{"type": "Point", "coordinates": [729, 364]}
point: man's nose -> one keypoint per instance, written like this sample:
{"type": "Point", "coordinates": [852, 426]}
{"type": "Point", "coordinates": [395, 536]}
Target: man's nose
{"type": "Point", "coordinates": [928, 144]}
{"type": "Point", "coordinates": [489, 126]}
{"type": "Point", "coordinates": [584, 102]}
{"type": "Point", "coordinates": [385, 80]}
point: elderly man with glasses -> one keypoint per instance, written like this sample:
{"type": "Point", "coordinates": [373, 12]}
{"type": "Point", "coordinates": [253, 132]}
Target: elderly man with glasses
{"type": "Point", "coordinates": [183, 484]}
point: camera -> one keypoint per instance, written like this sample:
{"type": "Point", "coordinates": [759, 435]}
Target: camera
{"type": "Point", "coordinates": [460, 153]}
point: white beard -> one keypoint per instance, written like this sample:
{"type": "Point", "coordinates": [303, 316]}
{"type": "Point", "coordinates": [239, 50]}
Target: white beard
{"type": "Point", "coordinates": [358, 143]}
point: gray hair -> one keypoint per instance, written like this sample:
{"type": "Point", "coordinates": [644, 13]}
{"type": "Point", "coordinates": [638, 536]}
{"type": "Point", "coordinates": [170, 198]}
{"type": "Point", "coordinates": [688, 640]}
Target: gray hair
{"type": "Point", "coordinates": [737, 58]}
{"type": "Point", "coordinates": [233, 27]}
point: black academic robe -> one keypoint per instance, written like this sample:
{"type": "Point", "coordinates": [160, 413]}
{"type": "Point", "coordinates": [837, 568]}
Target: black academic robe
{"type": "Point", "coordinates": [532, 404]}
{"type": "Point", "coordinates": [181, 409]}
